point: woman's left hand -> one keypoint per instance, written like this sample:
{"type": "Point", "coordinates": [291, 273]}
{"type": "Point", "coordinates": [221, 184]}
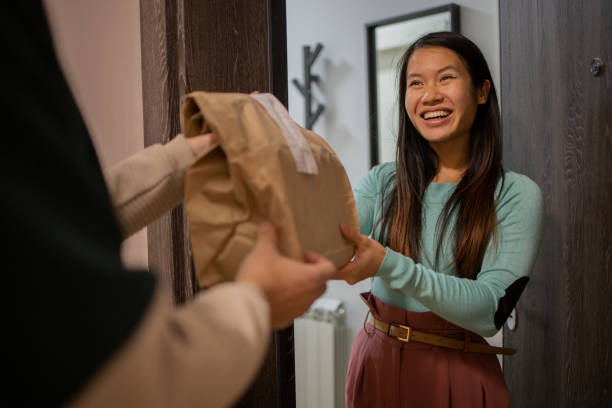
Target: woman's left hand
{"type": "Point", "coordinates": [369, 255]}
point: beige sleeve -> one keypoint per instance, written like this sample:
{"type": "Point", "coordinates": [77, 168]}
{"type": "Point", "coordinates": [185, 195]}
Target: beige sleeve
{"type": "Point", "coordinates": [203, 354]}
{"type": "Point", "coordinates": [149, 183]}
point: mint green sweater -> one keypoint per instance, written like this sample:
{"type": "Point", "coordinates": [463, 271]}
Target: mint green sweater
{"type": "Point", "coordinates": [414, 284]}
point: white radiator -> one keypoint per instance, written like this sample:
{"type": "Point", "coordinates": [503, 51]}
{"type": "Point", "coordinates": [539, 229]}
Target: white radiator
{"type": "Point", "coordinates": [321, 355]}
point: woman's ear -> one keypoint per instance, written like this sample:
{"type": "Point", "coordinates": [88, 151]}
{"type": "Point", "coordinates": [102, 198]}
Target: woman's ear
{"type": "Point", "coordinates": [483, 92]}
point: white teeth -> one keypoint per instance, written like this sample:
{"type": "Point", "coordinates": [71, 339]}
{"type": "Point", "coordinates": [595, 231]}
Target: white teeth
{"type": "Point", "coordinates": [436, 114]}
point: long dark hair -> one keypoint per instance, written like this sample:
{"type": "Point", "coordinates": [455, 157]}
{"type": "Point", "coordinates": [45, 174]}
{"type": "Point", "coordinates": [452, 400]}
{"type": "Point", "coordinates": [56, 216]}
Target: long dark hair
{"type": "Point", "coordinates": [417, 164]}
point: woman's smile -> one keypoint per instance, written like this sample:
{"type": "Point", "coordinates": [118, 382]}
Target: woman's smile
{"type": "Point", "coordinates": [436, 117]}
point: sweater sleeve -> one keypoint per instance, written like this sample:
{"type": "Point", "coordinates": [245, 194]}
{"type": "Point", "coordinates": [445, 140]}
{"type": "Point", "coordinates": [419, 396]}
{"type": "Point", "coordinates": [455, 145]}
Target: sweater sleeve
{"type": "Point", "coordinates": [205, 353]}
{"type": "Point", "coordinates": [149, 183]}
{"type": "Point", "coordinates": [367, 192]}
{"type": "Point", "coordinates": [472, 304]}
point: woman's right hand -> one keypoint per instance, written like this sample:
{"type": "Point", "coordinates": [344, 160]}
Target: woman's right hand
{"type": "Point", "coordinates": [369, 255]}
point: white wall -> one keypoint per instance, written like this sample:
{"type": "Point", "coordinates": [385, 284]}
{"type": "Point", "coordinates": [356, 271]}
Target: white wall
{"type": "Point", "coordinates": [342, 65]}
{"type": "Point", "coordinates": [98, 45]}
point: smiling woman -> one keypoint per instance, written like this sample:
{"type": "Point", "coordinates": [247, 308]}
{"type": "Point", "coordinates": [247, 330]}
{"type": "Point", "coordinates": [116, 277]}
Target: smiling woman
{"type": "Point", "coordinates": [455, 238]}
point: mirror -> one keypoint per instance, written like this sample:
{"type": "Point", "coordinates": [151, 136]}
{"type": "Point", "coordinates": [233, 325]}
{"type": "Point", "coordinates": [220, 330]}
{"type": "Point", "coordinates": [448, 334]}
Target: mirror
{"type": "Point", "coordinates": [387, 41]}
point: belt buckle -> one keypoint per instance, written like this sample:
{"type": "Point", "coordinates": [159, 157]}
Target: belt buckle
{"type": "Point", "coordinates": [405, 339]}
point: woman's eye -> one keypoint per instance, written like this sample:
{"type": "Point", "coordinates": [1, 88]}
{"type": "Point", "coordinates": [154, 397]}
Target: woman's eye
{"type": "Point", "coordinates": [445, 77]}
{"type": "Point", "coordinates": [412, 83]}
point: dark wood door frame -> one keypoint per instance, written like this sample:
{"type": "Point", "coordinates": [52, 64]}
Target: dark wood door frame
{"type": "Point", "coordinates": [216, 46]}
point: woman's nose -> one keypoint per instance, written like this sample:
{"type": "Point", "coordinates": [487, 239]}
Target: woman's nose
{"type": "Point", "coordinates": [431, 96]}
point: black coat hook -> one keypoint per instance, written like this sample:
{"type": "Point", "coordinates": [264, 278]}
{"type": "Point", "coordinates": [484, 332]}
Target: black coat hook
{"type": "Point", "coordinates": [306, 90]}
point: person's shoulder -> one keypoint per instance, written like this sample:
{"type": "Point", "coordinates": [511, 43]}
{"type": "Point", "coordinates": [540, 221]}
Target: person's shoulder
{"type": "Point", "coordinates": [520, 184]}
{"type": "Point", "coordinates": [382, 170]}
{"type": "Point", "coordinates": [377, 177]}
{"type": "Point", "coordinates": [382, 174]}
{"type": "Point", "coordinates": [518, 190]}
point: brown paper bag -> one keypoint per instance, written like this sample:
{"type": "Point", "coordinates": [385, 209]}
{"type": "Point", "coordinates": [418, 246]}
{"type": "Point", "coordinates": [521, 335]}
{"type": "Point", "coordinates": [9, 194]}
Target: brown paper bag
{"type": "Point", "coordinates": [264, 169]}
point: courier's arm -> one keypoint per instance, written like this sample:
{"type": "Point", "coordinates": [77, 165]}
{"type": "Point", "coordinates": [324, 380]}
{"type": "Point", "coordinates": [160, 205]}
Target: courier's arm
{"type": "Point", "coordinates": [149, 183]}
{"type": "Point", "coordinates": [202, 354]}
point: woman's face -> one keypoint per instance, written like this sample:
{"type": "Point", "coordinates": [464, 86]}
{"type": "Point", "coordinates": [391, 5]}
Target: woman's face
{"type": "Point", "coordinates": [440, 100]}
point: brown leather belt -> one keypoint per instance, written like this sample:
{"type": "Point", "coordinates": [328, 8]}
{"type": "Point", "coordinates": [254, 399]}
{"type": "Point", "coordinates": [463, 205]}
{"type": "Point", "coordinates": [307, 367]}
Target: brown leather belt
{"type": "Point", "coordinates": [406, 334]}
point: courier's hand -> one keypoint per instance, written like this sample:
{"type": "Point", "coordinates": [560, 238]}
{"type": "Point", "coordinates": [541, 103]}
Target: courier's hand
{"type": "Point", "coordinates": [290, 286]}
{"type": "Point", "coordinates": [202, 143]}
{"type": "Point", "coordinates": [369, 255]}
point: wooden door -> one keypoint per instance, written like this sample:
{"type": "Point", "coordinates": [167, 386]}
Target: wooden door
{"type": "Point", "coordinates": [215, 46]}
{"type": "Point", "coordinates": [557, 124]}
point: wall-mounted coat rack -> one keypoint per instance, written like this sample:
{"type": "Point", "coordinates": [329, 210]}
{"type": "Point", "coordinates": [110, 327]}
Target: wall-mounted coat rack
{"type": "Point", "coordinates": [306, 89]}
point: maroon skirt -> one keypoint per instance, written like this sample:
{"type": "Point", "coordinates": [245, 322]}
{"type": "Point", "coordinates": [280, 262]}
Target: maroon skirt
{"type": "Point", "coordinates": [386, 372]}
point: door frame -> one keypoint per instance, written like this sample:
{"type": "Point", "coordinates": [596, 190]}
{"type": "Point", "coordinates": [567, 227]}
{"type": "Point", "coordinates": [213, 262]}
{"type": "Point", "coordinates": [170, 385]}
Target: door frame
{"type": "Point", "coordinates": [188, 45]}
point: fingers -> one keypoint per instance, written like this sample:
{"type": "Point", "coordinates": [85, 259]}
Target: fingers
{"type": "Point", "coordinates": [345, 271]}
{"type": "Point", "coordinates": [320, 265]}
{"type": "Point", "coordinates": [254, 93]}
{"type": "Point", "coordinates": [350, 234]}
{"type": "Point", "coordinates": [209, 140]}
{"type": "Point", "coordinates": [201, 144]}
{"type": "Point", "coordinates": [313, 258]}
{"type": "Point", "coordinates": [266, 235]}
{"type": "Point", "coordinates": [212, 138]}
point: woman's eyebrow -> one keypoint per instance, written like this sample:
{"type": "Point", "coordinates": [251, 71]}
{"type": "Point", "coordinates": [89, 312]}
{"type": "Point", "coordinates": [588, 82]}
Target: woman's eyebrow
{"type": "Point", "coordinates": [454, 68]}
{"type": "Point", "coordinates": [413, 74]}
